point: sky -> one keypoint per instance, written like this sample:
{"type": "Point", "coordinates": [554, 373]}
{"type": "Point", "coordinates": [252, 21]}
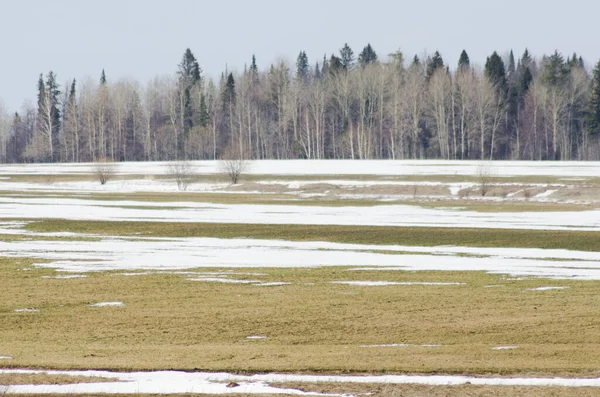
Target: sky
{"type": "Point", "coordinates": [142, 39]}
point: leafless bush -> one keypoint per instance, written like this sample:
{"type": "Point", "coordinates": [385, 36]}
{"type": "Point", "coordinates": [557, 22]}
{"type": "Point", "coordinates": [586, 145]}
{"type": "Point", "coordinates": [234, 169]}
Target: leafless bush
{"type": "Point", "coordinates": [183, 172]}
{"type": "Point", "coordinates": [234, 164]}
{"type": "Point", "coordinates": [415, 190]}
{"type": "Point", "coordinates": [463, 193]}
{"type": "Point", "coordinates": [485, 174]}
{"type": "Point", "coordinates": [104, 170]}
{"type": "Point", "coordinates": [527, 193]}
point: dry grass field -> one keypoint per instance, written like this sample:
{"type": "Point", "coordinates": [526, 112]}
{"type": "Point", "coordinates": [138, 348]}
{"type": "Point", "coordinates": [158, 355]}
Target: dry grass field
{"type": "Point", "coordinates": [310, 325]}
{"type": "Point", "coordinates": [306, 320]}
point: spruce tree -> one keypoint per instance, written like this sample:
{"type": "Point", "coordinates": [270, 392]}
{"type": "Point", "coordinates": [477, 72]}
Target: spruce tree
{"type": "Point", "coordinates": [253, 67]}
{"type": "Point", "coordinates": [103, 78]}
{"type": "Point", "coordinates": [434, 63]}
{"type": "Point", "coordinates": [302, 69]}
{"type": "Point", "coordinates": [53, 95]}
{"type": "Point", "coordinates": [463, 61]}
{"type": "Point", "coordinates": [190, 75]}
{"type": "Point", "coordinates": [496, 74]}
{"type": "Point", "coordinates": [347, 57]}
{"type": "Point", "coordinates": [367, 56]}
{"type": "Point", "coordinates": [335, 65]}
{"type": "Point", "coordinates": [325, 66]}
{"type": "Point", "coordinates": [593, 113]}
{"type": "Point", "coordinates": [555, 71]}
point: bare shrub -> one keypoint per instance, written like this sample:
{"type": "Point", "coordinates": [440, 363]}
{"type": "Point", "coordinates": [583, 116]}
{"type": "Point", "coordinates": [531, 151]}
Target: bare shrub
{"type": "Point", "coordinates": [415, 190]}
{"type": "Point", "coordinates": [485, 174]}
{"type": "Point", "coordinates": [104, 170]}
{"type": "Point", "coordinates": [527, 193]}
{"type": "Point", "coordinates": [463, 193]}
{"type": "Point", "coordinates": [234, 164]}
{"type": "Point", "coordinates": [183, 172]}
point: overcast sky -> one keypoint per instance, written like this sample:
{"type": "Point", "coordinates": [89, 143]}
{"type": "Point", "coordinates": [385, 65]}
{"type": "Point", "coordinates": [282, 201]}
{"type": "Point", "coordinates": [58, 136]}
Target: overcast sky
{"type": "Point", "coordinates": [145, 38]}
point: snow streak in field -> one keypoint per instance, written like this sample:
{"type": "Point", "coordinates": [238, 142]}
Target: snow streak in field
{"type": "Point", "coordinates": [171, 382]}
{"type": "Point", "coordinates": [386, 215]}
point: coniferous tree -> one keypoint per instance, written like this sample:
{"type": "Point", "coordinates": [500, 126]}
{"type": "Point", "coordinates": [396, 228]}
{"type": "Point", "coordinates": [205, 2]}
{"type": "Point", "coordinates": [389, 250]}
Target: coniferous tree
{"type": "Point", "coordinates": [463, 61]}
{"type": "Point", "coordinates": [190, 75]}
{"type": "Point", "coordinates": [593, 113]}
{"type": "Point", "coordinates": [103, 78]}
{"type": "Point", "coordinates": [496, 74]}
{"type": "Point", "coordinates": [335, 65]}
{"type": "Point", "coordinates": [367, 56]}
{"type": "Point", "coordinates": [347, 57]}
{"type": "Point", "coordinates": [555, 71]}
{"type": "Point", "coordinates": [433, 64]}
{"type": "Point", "coordinates": [302, 69]}
{"type": "Point", "coordinates": [53, 94]}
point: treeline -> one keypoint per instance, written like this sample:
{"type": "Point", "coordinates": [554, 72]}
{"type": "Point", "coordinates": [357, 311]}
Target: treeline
{"type": "Point", "coordinates": [344, 106]}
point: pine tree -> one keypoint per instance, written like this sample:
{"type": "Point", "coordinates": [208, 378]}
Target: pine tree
{"type": "Point", "coordinates": [317, 73]}
{"type": "Point", "coordinates": [416, 61]}
{"type": "Point", "coordinates": [367, 56]}
{"type": "Point", "coordinates": [593, 113]}
{"type": "Point", "coordinates": [347, 57]}
{"type": "Point", "coordinates": [464, 62]}
{"type": "Point", "coordinates": [302, 69]}
{"type": "Point", "coordinates": [103, 78]}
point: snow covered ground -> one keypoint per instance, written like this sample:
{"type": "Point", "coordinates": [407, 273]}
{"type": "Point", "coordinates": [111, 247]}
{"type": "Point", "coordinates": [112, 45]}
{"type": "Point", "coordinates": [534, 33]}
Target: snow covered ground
{"type": "Point", "coordinates": [337, 167]}
{"type": "Point", "coordinates": [156, 254]}
{"type": "Point", "coordinates": [171, 382]}
{"type": "Point", "coordinates": [385, 215]}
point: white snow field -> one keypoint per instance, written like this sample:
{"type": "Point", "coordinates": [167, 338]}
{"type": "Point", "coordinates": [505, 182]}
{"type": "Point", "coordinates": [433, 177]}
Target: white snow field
{"type": "Point", "coordinates": [335, 167]}
{"type": "Point", "coordinates": [384, 215]}
{"type": "Point", "coordinates": [172, 382]}
{"type": "Point", "coordinates": [156, 254]}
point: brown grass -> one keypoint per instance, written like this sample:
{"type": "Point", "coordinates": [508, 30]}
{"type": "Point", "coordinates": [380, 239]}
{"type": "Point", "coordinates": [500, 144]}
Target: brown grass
{"type": "Point", "coordinates": [48, 379]}
{"type": "Point", "coordinates": [387, 390]}
{"type": "Point", "coordinates": [416, 236]}
{"type": "Point", "coordinates": [312, 325]}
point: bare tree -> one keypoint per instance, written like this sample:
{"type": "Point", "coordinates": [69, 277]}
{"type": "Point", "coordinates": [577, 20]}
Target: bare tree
{"type": "Point", "coordinates": [234, 164]}
{"type": "Point", "coordinates": [104, 170]}
{"type": "Point", "coordinates": [182, 171]}
{"type": "Point", "coordinates": [484, 173]}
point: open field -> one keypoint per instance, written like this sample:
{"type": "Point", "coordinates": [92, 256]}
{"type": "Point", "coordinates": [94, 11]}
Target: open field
{"type": "Point", "coordinates": [330, 268]}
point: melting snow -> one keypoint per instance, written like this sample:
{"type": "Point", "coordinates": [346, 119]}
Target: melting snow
{"type": "Point", "coordinates": [384, 283]}
{"type": "Point", "coordinates": [105, 304]}
{"type": "Point", "coordinates": [26, 310]}
{"type": "Point", "coordinates": [546, 288]}
{"type": "Point", "coordinates": [505, 347]}
{"type": "Point", "coordinates": [164, 382]}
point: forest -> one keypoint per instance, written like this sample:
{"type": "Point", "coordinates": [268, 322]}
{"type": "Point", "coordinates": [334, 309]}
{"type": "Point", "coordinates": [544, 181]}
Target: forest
{"type": "Point", "coordinates": [349, 106]}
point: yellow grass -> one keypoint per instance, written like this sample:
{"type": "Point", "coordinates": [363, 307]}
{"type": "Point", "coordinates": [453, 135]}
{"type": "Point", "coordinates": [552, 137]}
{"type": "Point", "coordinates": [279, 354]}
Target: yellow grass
{"type": "Point", "coordinates": [169, 322]}
{"type": "Point", "coordinates": [47, 379]}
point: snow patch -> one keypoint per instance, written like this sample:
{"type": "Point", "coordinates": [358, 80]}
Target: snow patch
{"type": "Point", "coordinates": [505, 347]}
{"type": "Point", "coordinates": [108, 304]}
{"type": "Point", "coordinates": [26, 310]}
{"type": "Point", "coordinates": [546, 288]}
{"type": "Point", "coordinates": [164, 382]}
{"type": "Point", "coordinates": [386, 283]}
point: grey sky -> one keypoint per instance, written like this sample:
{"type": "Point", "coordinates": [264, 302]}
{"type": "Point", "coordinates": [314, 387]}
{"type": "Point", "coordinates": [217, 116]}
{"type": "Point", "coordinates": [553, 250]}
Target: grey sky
{"type": "Point", "coordinates": [145, 38]}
